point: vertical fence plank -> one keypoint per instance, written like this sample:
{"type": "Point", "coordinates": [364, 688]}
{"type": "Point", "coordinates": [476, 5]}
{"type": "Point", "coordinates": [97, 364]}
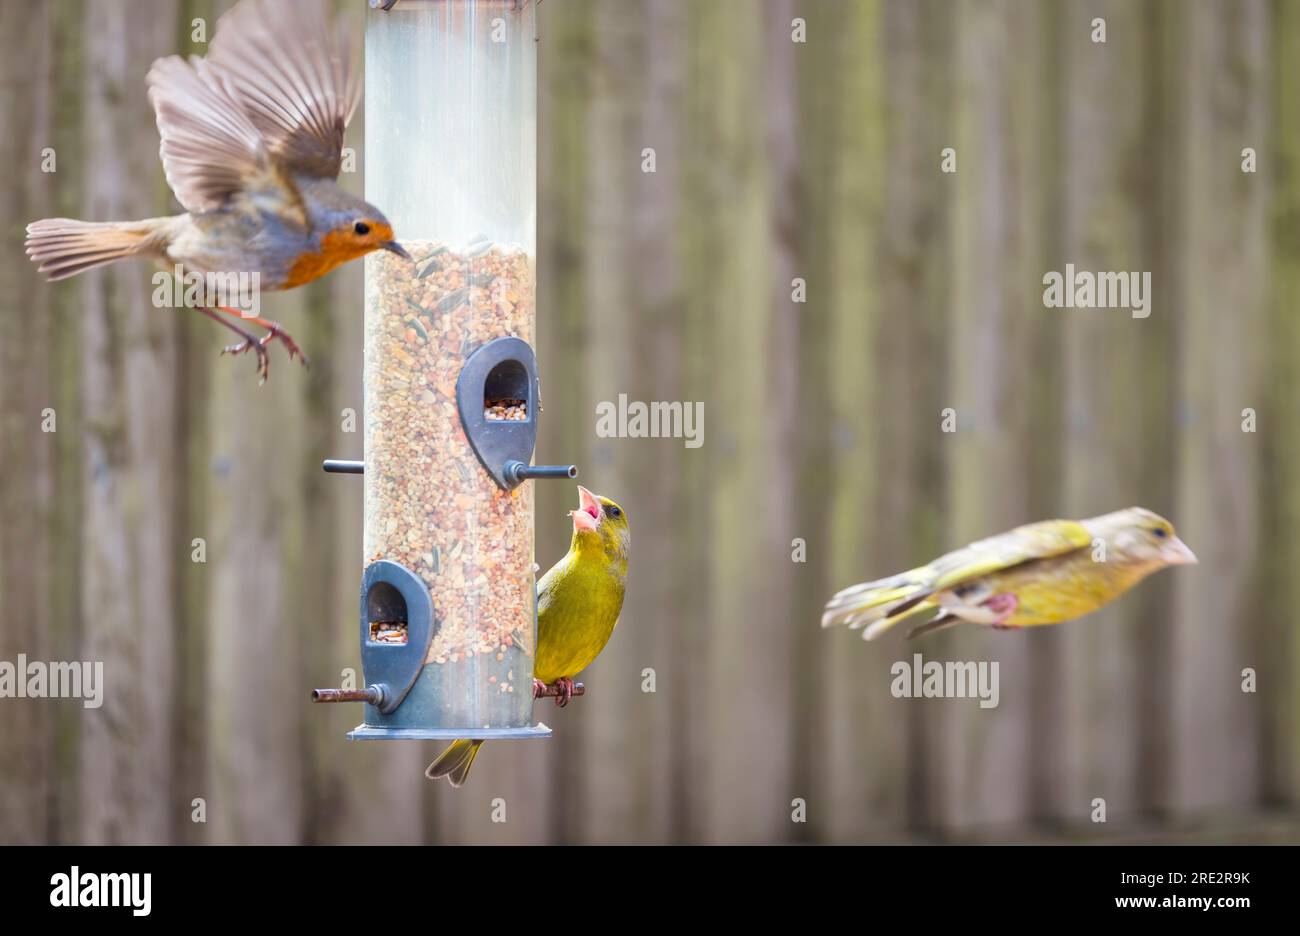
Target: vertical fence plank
{"type": "Point", "coordinates": [1107, 358]}
{"type": "Point", "coordinates": [791, 448]}
{"type": "Point", "coordinates": [128, 361]}
{"type": "Point", "coordinates": [860, 763]}
{"type": "Point", "coordinates": [747, 688]}
{"type": "Point", "coordinates": [1278, 647]}
{"type": "Point", "coordinates": [27, 453]}
{"type": "Point", "coordinates": [67, 127]}
{"type": "Point", "coordinates": [982, 752]}
{"type": "Point", "coordinates": [600, 747]}
{"type": "Point", "coordinates": [254, 781]}
{"type": "Point", "coordinates": [632, 282]}
{"type": "Point", "coordinates": [1219, 343]}
{"type": "Point", "coordinates": [569, 81]}
{"type": "Point", "coordinates": [192, 522]}
{"type": "Point", "coordinates": [915, 256]}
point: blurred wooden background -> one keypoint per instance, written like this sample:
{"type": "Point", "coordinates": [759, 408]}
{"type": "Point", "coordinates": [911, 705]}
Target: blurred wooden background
{"type": "Point", "coordinates": [775, 160]}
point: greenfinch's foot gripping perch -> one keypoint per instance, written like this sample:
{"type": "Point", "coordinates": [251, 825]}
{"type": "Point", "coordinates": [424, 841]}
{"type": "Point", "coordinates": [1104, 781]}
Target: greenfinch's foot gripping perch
{"type": "Point", "coordinates": [562, 690]}
{"type": "Point", "coordinates": [564, 693]}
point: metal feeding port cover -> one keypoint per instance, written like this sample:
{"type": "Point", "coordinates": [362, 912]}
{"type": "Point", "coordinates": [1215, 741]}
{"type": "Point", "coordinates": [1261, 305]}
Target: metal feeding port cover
{"type": "Point", "coordinates": [396, 629]}
{"type": "Point", "coordinates": [504, 369]}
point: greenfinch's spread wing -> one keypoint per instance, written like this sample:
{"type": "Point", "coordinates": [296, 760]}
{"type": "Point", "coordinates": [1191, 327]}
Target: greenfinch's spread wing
{"type": "Point", "coordinates": [1032, 541]}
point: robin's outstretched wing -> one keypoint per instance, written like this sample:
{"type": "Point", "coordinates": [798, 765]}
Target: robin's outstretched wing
{"type": "Point", "coordinates": [210, 148]}
{"type": "Point", "coordinates": [271, 101]}
{"type": "Point", "coordinates": [291, 69]}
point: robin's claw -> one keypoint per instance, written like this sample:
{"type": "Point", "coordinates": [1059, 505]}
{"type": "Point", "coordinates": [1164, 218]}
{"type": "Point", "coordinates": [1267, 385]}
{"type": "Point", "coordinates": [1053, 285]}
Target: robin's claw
{"type": "Point", "coordinates": [263, 359]}
{"type": "Point", "coordinates": [291, 346]}
{"type": "Point", "coordinates": [233, 321]}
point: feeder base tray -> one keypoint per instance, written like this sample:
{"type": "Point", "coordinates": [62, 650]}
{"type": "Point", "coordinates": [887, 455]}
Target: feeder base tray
{"type": "Point", "coordinates": [371, 733]}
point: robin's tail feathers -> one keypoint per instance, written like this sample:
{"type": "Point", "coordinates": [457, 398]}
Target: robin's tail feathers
{"type": "Point", "coordinates": [63, 247]}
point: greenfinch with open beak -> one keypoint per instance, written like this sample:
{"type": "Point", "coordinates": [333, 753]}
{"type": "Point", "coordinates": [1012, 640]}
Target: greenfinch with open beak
{"type": "Point", "coordinates": [1041, 573]}
{"type": "Point", "coordinates": [578, 604]}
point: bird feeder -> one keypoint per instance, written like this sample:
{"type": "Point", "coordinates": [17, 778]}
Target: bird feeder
{"type": "Point", "coordinates": [448, 593]}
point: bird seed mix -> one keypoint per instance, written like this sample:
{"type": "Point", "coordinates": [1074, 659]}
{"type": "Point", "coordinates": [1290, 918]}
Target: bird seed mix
{"type": "Point", "coordinates": [516, 410]}
{"type": "Point", "coordinates": [393, 632]}
{"type": "Point", "coordinates": [429, 503]}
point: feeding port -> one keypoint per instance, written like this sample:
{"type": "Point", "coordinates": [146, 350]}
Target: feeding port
{"type": "Point", "coordinates": [505, 393]}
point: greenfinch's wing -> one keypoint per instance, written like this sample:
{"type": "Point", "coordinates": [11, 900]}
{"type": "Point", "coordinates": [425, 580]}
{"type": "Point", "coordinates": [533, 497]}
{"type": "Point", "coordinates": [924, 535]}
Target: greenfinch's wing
{"type": "Point", "coordinates": [1031, 541]}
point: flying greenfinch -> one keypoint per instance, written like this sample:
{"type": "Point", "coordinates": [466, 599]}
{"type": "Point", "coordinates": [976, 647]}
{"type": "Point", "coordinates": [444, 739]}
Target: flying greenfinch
{"type": "Point", "coordinates": [1041, 573]}
{"type": "Point", "coordinates": [578, 603]}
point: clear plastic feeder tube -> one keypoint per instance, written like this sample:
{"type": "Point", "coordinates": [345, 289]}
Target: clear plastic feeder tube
{"type": "Point", "coordinates": [450, 114]}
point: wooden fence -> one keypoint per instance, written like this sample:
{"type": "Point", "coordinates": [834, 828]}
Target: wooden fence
{"type": "Point", "coordinates": [775, 161]}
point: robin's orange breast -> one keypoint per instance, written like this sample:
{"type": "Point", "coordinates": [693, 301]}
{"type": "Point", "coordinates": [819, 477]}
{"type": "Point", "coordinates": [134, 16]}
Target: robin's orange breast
{"type": "Point", "coordinates": [337, 247]}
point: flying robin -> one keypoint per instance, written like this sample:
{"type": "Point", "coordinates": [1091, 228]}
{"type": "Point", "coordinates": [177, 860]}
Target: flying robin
{"type": "Point", "coordinates": [252, 143]}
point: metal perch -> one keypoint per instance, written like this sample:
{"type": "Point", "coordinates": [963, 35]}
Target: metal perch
{"type": "Point", "coordinates": [371, 694]}
{"type": "Point", "coordinates": [553, 690]}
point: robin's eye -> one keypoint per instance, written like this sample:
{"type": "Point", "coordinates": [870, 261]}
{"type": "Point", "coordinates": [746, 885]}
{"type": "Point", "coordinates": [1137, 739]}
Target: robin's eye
{"type": "Point", "coordinates": [361, 228]}
{"type": "Point", "coordinates": [614, 512]}
{"type": "Point", "coordinates": [1160, 533]}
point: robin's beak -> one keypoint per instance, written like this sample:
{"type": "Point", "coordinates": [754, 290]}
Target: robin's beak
{"type": "Point", "coordinates": [395, 247]}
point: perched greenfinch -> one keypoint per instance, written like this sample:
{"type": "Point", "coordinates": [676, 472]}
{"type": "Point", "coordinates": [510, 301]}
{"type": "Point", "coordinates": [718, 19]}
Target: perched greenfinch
{"type": "Point", "coordinates": [578, 603]}
{"type": "Point", "coordinates": [1040, 573]}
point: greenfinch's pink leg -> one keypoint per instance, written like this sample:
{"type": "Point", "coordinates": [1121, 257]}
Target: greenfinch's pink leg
{"type": "Point", "coordinates": [1003, 604]}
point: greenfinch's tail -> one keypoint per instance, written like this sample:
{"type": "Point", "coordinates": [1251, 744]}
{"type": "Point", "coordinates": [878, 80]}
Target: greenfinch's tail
{"type": "Point", "coordinates": [455, 762]}
{"type": "Point", "coordinates": [878, 606]}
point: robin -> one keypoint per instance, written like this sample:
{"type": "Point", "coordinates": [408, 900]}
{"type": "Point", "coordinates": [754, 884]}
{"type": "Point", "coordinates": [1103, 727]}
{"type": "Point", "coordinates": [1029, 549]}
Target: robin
{"type": "Point", "coordinates": [252, 145]}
